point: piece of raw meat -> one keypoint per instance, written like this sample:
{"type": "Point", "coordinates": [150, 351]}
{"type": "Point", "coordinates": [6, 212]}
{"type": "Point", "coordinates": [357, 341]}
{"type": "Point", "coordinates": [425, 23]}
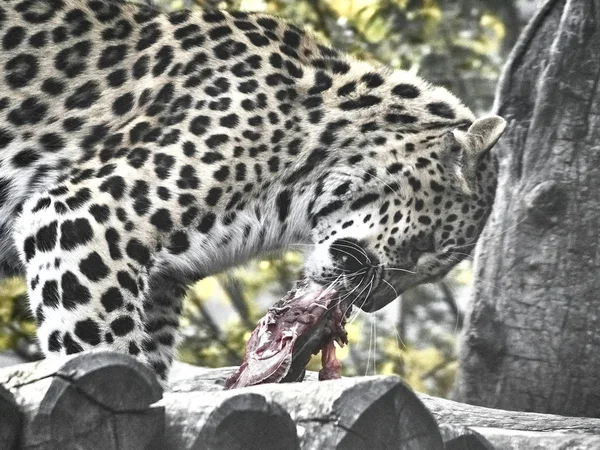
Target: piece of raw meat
{"type": "Point", "coordinates": [308, 319]}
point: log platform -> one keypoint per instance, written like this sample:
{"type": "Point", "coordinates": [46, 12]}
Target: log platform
{"type": "Point", "coordinates": [109, 401]}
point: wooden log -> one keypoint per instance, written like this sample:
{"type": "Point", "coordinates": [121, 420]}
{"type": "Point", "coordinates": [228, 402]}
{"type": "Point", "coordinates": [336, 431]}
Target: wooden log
{"type": "Point", "coordinates": [227, 420]}
{"type": "Point", "coordinates": [468, 442]}
{"type": "Point", "coordinates": [462, 426]}
{"type": "Point", "coordinates": [10, 420]}
{"type": "Point", "coordinates": [475, 427]}
{"type": "Point", "coordinates": [109, 401]}
{"type": "Point", "coordinates": [96, 400]}
{"type": "Point", "coordinates": [352, 413]}
{"type": "Point", "coordinates": [460, 415]}
{"type": "Point", "coordinates": [500, 439]}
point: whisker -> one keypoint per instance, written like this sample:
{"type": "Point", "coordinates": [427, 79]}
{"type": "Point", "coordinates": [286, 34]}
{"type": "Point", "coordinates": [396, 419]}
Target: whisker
{"type": "Point", "coordinates": [466, 255]}
{"type": "Point", "coordinates": [340, 249]}
{"type": "Point", "coordinates": [370, 286]}
{"type": "Point", "coordinates": [375, 345]}
{"type": "Point", "coordinates": [393, 288]}
{"type": "Point", "coordinates": [342, 298]}
{"type": "Point", "coordinates": [376, 178]}
{"type": "Point", "coordinates": [399, 339]}
{"type": "Point", "coordinates": [350, 304]}
{"type": "Point", "coordinates": [399, 270]}
{"type": "Point", "coordinates": [485, 282]}
{"type": "Point", "coordinates": [331, 286]}
{"type": "Point", "coordinates": [348, 253]}
{"type": "Point", "coordinates": [369, 350]}
{"type": "Point", "coordinates": [354, 246]}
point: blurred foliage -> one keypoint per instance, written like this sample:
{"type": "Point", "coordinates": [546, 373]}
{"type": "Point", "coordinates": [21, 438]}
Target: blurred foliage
{"type": "Point", "coordinates": [17, 327]}
{"type": "Point", "coordinates": [220, 312]}
{"type": "Point", "coordinates": [459, 44]}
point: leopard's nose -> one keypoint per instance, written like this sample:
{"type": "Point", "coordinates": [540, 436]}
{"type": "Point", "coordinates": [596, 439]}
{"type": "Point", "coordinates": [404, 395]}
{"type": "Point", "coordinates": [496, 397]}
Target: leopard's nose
{"type": "Point", "coordinates": [348, 255]}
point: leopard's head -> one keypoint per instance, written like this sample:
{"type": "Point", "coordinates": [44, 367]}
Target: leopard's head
{"type": "Point", "coordinates": [406, 213]}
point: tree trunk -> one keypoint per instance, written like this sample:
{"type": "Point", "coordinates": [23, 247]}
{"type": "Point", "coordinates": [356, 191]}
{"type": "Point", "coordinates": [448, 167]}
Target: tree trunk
{"type": "Point", "coordinates": [532, 339]}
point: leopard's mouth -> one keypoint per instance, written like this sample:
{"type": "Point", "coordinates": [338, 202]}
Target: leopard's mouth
{"type": "Point", "coordinates": [357, 289]}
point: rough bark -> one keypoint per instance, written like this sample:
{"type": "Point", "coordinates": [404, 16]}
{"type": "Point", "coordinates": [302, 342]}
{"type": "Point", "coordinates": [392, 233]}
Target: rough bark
{"type": "Point", "coordinates": [103, 400]}
{"type": "Point", "coordinates": [111, 402]}
{"type": "Point", "coordinates": [10, 419]}
{"type": "Point", "coordinates": [532, 339]}
{"type": "Point", "coordinates": [461, 426]}
{"type": "Point", "coordinates": [354, 413]}
{"type": "Point", "coordinates": [227, 420]}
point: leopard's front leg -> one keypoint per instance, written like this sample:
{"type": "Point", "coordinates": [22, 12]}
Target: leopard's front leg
{"type": "Point", "coordinates": [86, 269]}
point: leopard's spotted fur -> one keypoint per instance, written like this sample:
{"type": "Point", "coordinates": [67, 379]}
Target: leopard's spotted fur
{"type": "Point", "coordinates": [140, 151]}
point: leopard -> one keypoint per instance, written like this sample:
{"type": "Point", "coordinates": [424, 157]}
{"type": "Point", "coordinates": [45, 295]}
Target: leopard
{"type": "Point", "coordinates": [143, 150]}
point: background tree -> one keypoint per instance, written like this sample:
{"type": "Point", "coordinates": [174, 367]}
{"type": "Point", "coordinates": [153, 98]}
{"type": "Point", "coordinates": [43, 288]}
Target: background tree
{"type": "Point", "coordinates": [532, 340]}
{"type": "Point", "coordinates": [460, 44]}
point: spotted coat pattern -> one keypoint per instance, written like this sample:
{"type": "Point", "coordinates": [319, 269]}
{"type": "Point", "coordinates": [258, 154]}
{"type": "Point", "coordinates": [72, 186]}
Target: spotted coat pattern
{"type": "Point", "coordinates": [141, 151]}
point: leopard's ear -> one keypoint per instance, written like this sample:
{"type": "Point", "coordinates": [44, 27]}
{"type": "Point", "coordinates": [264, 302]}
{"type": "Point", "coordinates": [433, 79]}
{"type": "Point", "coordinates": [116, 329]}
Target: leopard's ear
{"type": "Point", "coordinates": [483, 134]}
{"type": "Point", "coordinates": [465, 148]}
